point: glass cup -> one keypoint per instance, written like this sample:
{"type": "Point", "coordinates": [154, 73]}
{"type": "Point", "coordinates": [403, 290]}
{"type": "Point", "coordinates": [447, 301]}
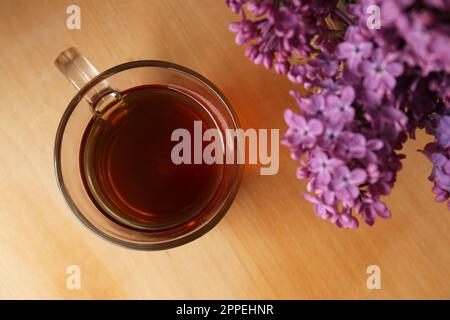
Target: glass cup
{"type": "Point", "coordinates": [98, 90]}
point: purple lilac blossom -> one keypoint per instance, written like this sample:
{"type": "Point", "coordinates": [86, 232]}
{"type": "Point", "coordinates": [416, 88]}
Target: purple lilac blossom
{"type": "Point", "coordinates": [372, 90]}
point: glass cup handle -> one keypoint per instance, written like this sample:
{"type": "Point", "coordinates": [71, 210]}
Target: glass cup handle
{"type": "Point", "coordinates": [80, 71]}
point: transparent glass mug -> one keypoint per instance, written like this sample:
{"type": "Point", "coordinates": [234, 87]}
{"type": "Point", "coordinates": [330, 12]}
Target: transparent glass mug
{"type": "Point", "coordinates": [97, 90]}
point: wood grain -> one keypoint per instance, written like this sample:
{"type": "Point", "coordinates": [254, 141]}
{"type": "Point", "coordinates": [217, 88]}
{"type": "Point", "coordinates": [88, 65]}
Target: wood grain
{"type": "Point", "coordinates": [269, 245]}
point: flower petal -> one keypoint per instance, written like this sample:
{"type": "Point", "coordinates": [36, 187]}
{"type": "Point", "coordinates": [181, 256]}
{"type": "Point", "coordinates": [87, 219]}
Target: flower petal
{"type": "Point", "coordinates": [388, 80]}
{"type": "Point", "coordinates": [315, 127]}
{"type": "Point", "coordinates": [348, 95]}
{"type": "Point", "coordinates": [375, 144]}
{"type": "Point", "coordinates": [352, 190]}
{"type": "Point", "coordinates": [333, 101]}
{"type": "Point", "coordinates": [345, 50]}
{"type": "Point", "coordinates": [372, 81]}
{"type": "Point", "coordinates": [395, 68]}
{"type": "Point", "coordinates": [358, 176]}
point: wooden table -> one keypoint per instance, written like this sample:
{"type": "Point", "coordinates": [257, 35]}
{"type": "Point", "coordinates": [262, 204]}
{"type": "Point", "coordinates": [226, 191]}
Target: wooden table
{"type": "Point", "coordinates": [269, 245]}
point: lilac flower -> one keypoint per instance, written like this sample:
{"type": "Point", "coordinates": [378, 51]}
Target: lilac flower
{"type": "Point", "coordinates": [324, 64]}
{"type": "Point", "coordinates": [354, 53]}
{"type": "Point", "coordinates": [245, 30]}
{"type": "Point", "coordinates": [441, 171]}
{"type": "Point", "coordinates": [380, 71]}
{"type": "Point", "coordinates": [346, 183]}
{"type": "Point", "coordinates": [235, 5]}
{"type": "Point", "coordinates": [346, 220]}
{"type": "Point", "coordinates": [323, 166]}
{"type": "Point", "coordinates": [372, 147]}
{"type": "Point", "coordinates": [443, 132]}
{"type": "Point", "coordinates": [331, 135]}
{"type": "Point", "coordinates": [371, 209]}
{"type": "Point", "coordinates": [324, 211]}
{"type": "Point", "coordinates": [440, 174]}
{"type": "Point", "coordinates": [314, 106]}
{"type": "Point", "coordinates": [281, 65]}
{"type": "Point", "coordinates": [297, 74]}
{"type": "Point", "coordinates": [373, 173]}
{"type": "Point", "coordinates": [302, 131]}
{"type": "Point", "coordinates": [351, 145]}
{"type": "Point", "coordinates": [441, 194]}
{"type": "Point", "coordinates": [341, 108]}
{"type": "Point", "coordinates": [285, 22]}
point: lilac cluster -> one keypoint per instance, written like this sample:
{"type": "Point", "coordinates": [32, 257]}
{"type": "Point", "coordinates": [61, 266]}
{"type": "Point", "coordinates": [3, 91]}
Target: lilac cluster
{"type": "Point", "coordinates": [281, 31]}
{"type": "Point", "coordinates": [371, 90]}
{"type": "Point", "coordinates": [439, 154]}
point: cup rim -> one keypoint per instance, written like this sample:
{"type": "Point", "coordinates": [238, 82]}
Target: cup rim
{"type": "Point", "coordinates": [57, 157]}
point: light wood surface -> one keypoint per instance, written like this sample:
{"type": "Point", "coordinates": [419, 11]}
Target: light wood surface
{"type": "Point", "coordinates": [269, 245]}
